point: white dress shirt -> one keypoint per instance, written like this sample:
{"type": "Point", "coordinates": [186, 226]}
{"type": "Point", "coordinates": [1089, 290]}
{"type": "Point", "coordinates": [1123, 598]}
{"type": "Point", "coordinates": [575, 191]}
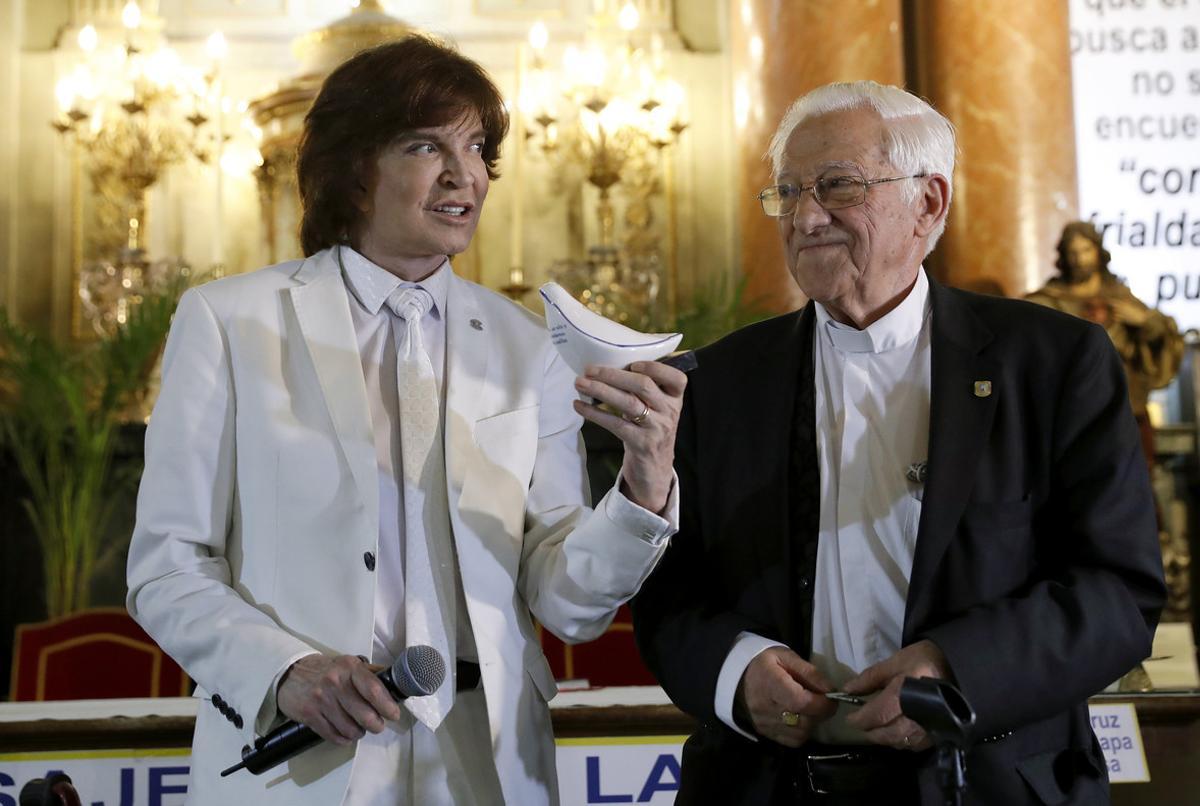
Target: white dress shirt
{"type": "Point", "coordinates": [872, 391]}
{"type": "Point", "coordinates": [380, 333]}
{"type": "Point", "coordinates": [407, 764]}
{"type": "Point", "coordinates": [393, 766]}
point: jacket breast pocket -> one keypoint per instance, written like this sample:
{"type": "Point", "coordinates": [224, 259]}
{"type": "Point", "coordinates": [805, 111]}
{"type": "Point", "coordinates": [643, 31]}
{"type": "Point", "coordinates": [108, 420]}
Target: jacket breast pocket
{"type": "Point", "coordinates": [994, 551]}
{"type": "Point", "coordinates": [500, 471]}
{"type": "Point", "coordinates": [510, 440]}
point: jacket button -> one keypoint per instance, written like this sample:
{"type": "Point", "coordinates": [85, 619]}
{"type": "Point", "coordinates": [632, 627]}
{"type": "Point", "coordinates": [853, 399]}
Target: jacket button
{"type": "Point", "coordinates": [237, 721]}
{"type": "Point", "coordinates": [804, 583]}
{"type": "Point", "coordinates": [217, 702]}
{"type": "Point", "coordinates": [369, 560]}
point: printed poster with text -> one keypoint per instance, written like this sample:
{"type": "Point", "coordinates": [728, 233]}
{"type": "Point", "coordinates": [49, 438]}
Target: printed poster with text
{"type": "Point", "coordinates": [1136, 72]}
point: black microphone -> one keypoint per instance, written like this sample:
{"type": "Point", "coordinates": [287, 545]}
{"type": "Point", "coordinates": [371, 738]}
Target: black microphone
{"type": "Point", "coordinates": [55, 790]}
{"type": "Point", "coordinates": [939, 708]}
{"type": "Point", "coordinates": [944, 713]}
{"type": "Point", "coordinates": [416, 673]}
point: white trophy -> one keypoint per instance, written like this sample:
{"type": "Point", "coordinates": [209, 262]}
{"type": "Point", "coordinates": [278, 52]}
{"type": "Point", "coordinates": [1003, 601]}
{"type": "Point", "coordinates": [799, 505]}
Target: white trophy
{"type": "Point", "coordinates": [584, 337]}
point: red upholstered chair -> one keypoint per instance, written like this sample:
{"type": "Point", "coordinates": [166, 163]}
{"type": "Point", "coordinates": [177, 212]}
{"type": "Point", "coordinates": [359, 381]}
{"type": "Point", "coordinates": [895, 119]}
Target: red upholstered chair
{"type": "Point", "coordinates": [93, 654]}
{"type": "Point", "coordinates": [610, 660]}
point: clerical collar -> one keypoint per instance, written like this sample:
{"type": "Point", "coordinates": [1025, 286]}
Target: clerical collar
{"type": "Point", "coordinates": [898, 327]}
{"type": "Point", "coordinates": [371, 285]}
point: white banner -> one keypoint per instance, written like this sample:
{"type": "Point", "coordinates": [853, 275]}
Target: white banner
{"type": "Point", "coordinates": [1136, 72]}
{"type": "Point", "coordinates": [619, 770]}
{"type": "Point", "coordinates": [591, 771]}
{"type": "Point", "coordinates": [104, 777]}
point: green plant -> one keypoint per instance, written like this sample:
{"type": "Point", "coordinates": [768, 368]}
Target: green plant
{"type": "Point", "coordinates": [60, 409]}
{"type": "Point", "coordinates": [715, 308]}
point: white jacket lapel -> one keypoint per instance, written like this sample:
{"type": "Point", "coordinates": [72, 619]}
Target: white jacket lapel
{"type": "Point", "coordinates": [468, 345]}
{"type": "Point", "coordinates": [323, 311]}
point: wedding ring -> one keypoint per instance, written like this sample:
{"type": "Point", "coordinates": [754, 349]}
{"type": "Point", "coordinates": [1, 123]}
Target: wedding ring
{"type": "Point", "coordinates": [790, 718]}
{"type": "Point", "coordinates": [641, 417]}
{"type": "Point", "coordinates": [907, 743]}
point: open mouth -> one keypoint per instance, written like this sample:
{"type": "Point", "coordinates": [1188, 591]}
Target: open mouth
{"type": "Point", "coordinates": [452, 209]}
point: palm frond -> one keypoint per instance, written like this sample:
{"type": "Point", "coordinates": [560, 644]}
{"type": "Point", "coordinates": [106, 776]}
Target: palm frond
{"type": "Point", "coordinates": [59, 414]}
{"type": "Point", "coordinates": [716, 308]}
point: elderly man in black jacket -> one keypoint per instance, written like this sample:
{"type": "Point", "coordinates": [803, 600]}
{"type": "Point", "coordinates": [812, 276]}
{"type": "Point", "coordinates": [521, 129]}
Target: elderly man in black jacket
{"type": "Point", "coordinates": [900, 479]}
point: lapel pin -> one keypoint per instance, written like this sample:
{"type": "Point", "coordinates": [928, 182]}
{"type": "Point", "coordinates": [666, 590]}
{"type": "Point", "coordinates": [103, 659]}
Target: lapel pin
{"type": "Point", "coordinates": [983, 388]}
{"type": "Point", "coordinates": [475, 323]}
{"type": "Point", "coordinates": [917, 472]}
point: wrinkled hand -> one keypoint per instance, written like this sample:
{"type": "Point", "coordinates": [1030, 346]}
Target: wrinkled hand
{"type": "Point", "coordinates": [340, 698]}
{"type": "Point", "coordinates": [881, 718]}
{"type": "Point", "coordinates": [779, 680]}
{"type": "Point", "coordinates": [648, 387]}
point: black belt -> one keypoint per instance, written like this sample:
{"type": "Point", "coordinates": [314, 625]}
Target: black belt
{"type": "Point", "coordinates": [466, 675]}
{"type": "Point", "coordinates": [857, 774]}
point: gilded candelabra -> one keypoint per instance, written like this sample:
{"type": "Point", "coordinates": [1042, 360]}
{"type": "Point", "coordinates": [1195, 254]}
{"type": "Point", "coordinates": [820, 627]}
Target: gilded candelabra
{"type": "Point", "coordinates": [129, 113]}
{"type": "Point", "coordinates": [610, 113]}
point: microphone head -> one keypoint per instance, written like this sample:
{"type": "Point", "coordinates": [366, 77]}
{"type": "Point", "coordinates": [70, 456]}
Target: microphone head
{"type": "Point", "coordinates": [938, 707]}
{"type": "Point", "coordinates": [419, 671]}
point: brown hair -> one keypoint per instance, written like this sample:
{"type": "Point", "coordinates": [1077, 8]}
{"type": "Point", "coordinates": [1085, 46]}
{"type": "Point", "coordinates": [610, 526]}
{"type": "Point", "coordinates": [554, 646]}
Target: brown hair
{"type": "Point", "coordinates": [1086, 230]}
{"type": "Point", "coordinates": [366, 103]}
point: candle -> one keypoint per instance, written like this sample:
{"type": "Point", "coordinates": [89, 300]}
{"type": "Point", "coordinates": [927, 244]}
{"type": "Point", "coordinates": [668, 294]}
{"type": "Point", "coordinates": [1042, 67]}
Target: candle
{"type": "Point", "coordinates": [131, 18]}
{"type": "Point", "coordinates": [218, 254]}
{"type": "Point", "coordinates": [516, 263]}
{"type": "Point", "coordinates": [217, 48]}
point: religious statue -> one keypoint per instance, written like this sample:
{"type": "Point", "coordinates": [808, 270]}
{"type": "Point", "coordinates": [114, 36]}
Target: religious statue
{"type": "Point", "coordinates": [1146, 339]}
{"type": "Point", "coordinates": [1150, 348]}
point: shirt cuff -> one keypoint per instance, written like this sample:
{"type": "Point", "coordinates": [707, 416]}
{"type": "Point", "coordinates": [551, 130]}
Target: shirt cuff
{"type": "Point", "coordinates": [746, 648]}
{"type": "Point", "coordinates": [630, 517]}
{"type": "Point", "coordinates": [268, 712]}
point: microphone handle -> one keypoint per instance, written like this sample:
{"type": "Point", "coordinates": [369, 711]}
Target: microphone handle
{"type": "Point", "coordinates": [289, 739]}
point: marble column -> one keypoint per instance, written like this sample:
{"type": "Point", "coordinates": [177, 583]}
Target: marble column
{"type": "Point", "coordinates": [779, 50]}
{"type": "Point", "coordinates": [1002, 73]}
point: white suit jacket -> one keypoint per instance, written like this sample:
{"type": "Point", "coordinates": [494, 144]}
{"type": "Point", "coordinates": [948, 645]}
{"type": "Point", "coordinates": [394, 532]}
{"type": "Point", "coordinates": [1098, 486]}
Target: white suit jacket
{"type": "Point", "coordinates": [260, 499]}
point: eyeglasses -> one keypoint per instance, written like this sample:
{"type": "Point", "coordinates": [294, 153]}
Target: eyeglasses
{"type": "Point", "coordinates": [831, 191]}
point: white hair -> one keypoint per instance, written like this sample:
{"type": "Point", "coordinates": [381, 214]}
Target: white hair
{"type": "Point", "coordinates": [917, 138]}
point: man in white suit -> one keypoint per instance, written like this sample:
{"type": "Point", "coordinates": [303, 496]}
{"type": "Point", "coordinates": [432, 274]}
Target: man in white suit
{"type": "Point", "coordinates": [279, 511]}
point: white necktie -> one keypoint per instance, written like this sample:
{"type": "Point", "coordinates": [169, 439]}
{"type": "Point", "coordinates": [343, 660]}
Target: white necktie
{"type": "Point", "coordinates": [429, 616]}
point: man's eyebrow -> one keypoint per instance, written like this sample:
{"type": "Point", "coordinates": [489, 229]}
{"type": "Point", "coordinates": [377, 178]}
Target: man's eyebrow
{"type": "Point", "coordinates": [837, 165]}
{"type": "Point", "coordinates": [434, 135]}
{"type": "Point", "coordinates": [416, 134]}
{"type": "Point", "coordinates": [825, 167]}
